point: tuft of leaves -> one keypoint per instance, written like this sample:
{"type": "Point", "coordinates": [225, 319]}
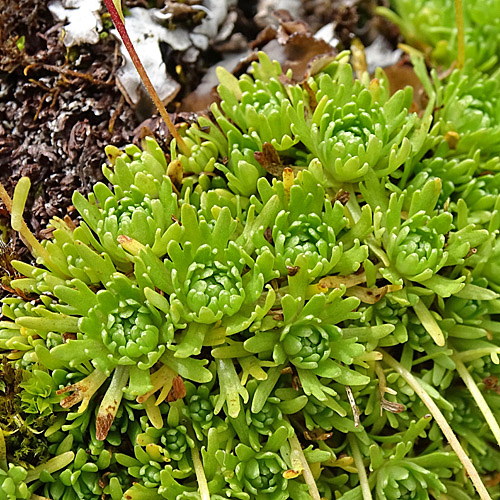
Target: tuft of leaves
{"type": "Point", "coordinates": [220, 316]}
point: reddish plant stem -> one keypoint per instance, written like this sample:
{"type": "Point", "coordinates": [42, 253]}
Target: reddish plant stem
{"type": "Point", "coordinates": [120, 26]}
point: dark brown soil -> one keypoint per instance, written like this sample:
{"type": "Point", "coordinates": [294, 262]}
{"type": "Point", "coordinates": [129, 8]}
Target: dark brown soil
{"type": "Point", "coordinates": [58, 109]}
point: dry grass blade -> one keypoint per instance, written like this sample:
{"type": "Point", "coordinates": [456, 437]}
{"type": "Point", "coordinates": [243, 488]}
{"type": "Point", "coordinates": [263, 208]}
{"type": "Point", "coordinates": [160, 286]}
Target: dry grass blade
{"type": "Point", "coordinates": [443, 424]}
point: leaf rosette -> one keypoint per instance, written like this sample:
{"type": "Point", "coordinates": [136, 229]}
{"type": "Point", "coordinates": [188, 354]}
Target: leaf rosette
{"type": "Point", "coordinates": [39, 395]}
{"type": "Point", "coordinates": [354, 128]}
{"type": "Point", "coordinates": [469, 106]}
{"type": "Point", "coordinates": [120, 327]}
{"type": "Point", "coordinates": [259, 475]}
{"type": "Point", "coordinates": [418, 250]}
{"type": "Point", "coordinates": [80, 479]}
{"type": "Point", "coordinates": [312, 341]}
{"type": "Point", "coordinates": [157, 446]}
{"type": "Point", "coordinates": [142, 205]}
{"type": "Point", "coordinates": [419, 243]}
{"type": "Point", "coordinates": [310, 226]}
{"type": "Point", "coordinates": [199, 409]}
{"type": "Point", "coordinates": [12, 483]}
{"type": "Point", "coordinates": [470, 187]}
{"type": "Point", "coordinates": [430, 26]}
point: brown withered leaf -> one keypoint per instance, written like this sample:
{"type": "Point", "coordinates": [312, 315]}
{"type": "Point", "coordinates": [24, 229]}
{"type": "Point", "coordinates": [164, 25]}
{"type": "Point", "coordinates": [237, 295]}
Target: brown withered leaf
{"type": "Point", "coordinates": [306, 55]}
{"type": "Point", "coordinates": [491, 384]}
{"type": "Point", "coordinates": [46, 233]}
{"type": "Point", "coordinates": [295, 47]}
{"type": "Point", "coordinates": [348, 281]}
{"type": "Point", "coordinates": [175, 172]}
{"type": "Point", "coordinates": [268, 235]}
{"type": "Point", "coordinates": [103, 480]}
{"type": "Point", "coordinates": [354, 406]}
{"type": "Point", "coordinates": [313, 102]}
{"type": "Point", "coordinates": [7, 271]}
{"type": "Point", "coordinates": [270, 160]}
{"type": "Point", "coordinates": [291, 474]}
{"type": "Point", "coordinates": [183, 14]}
{"type": "Point", "coordinates": [317, 435]}
{"type": "Point", "coordinates": [75, 397]}
{"type": "Point", "coordinates": [178, 390]}
{"type": "Point", "coordinates": [104, 420]}
{"type": "Point", "coordinates": [265, 36]}
{"type": "Point", "coordinates": [69, 222]}
{"type": "Point", "coordinates": [342, 196]}
{"type": "Point", "coordinates": [277, 314]}
{"type": "Point", "coordinates": [296, 383]}
{"type": "Point", "coordinates": [289, 25]}
{"type": "Point", "coordinates": [392, 406]}
{"type": "Point", "coordinates": [285, 81]}
{"type": "Point", "coordinates": [401, 75]}
{"type": "Point", "coordinates": [7, 255]}
{"type": "Point", "coordinates": [371, 295]}
{"type": "Point", "coordinates": [494, 481]}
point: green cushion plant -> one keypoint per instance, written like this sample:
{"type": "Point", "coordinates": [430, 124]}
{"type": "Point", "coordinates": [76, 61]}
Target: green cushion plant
{"type": "Point", "coordinates": [301, 302]}
{"type": "Point", "coordinates": [430, 26]}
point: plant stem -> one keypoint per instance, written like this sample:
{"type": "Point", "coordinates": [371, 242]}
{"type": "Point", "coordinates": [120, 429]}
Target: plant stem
{"type": "Point", "coordinates": [478, 398]}
{"type": "Point", "coordinates": [306, 470]}
{"type": "Point", "coordinates": [200, 474]}
{"type": "Point", "coordinates": [34, 246]}
{"type": "Point", "coordinates": [358, 461]}
{"type": "Point", "coordinates": [19, 202]}
{"type": "Point", "coordinates": [3, 453]}
{"type": "Point", "coordinates": [442, 422]}
{"type": "Point", "coordinates": [459, 14]}
{"type": "Point", "coordinates": [120, 26]}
